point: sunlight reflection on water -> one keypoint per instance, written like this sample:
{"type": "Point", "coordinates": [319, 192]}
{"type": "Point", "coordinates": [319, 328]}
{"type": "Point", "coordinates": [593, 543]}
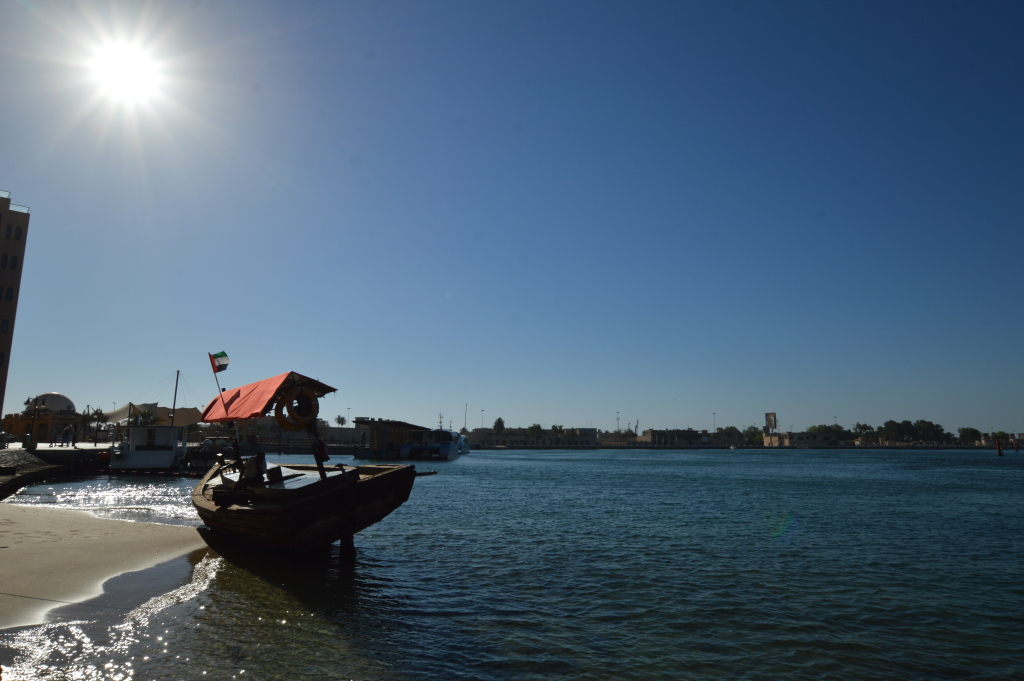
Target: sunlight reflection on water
{"type": "Point", "coordinates": [136, 498]}
{"type": "Point", "coordinates": [595, 565]}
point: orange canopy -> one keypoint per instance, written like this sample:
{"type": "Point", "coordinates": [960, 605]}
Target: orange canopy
{"type": "Point", "coordinates": [256, 399]}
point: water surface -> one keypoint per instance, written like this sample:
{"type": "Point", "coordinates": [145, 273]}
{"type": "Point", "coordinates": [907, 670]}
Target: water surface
{"type": "Point", "coordinates": [596, 565]}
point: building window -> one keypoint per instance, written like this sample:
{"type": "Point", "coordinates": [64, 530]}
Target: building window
{"type": "Point", "coordinates": [3, 262]}
{"type": "Point", "coordinates": [10, 293]}
{"type": "Point", "coordinates": [17, 233]}
{"type": "Point", "coordinates": [14, 262]}
{"type": "Point", "coordinates": [1, 359]}
{"type": "Point", "coordinates": [5, 326]}
{"type": "Point", "coordinates": [8, 231]}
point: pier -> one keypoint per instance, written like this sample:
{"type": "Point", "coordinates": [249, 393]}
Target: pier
{"type": "Point", "coordinates": [21, 467]}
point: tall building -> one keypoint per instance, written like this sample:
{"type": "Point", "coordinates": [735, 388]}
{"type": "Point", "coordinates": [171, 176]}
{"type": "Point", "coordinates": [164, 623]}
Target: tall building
{"type": "Point", "coordinates": [14, 234]}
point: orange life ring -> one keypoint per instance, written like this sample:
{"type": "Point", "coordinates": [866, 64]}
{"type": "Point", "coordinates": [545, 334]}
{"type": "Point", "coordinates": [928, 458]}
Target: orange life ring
{"type": "Point", "coordinates": [301, 405]}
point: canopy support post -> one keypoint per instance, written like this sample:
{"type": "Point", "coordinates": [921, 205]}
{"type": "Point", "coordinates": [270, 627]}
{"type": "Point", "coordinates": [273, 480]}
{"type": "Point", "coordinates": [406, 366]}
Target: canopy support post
{"type": "Point", "coordinates": [318, 447]}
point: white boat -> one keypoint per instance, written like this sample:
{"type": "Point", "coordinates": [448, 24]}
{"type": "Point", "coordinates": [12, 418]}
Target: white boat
{"type": "Point", "coordinates": [148, 448]}
{"type": "Point", "coordinates": [439, 443]}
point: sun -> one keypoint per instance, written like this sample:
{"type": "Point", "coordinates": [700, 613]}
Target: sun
{"type": "Point", "coordinates": [126, 72]}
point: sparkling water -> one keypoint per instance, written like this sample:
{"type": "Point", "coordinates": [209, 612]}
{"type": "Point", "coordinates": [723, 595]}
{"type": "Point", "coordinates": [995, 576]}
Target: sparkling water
{"type": "Point", "coordinates": [586, 565]}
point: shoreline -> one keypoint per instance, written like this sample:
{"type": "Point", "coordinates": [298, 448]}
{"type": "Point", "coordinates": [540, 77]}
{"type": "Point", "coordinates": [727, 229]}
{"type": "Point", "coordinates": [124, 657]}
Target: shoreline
{"type": "Point", "coordinates": [760, 448]}
{"type": "Point", "coordinates": [50, 558]}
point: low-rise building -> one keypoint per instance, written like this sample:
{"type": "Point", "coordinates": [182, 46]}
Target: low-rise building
{"type": "Point", "coordinates": [611, 438]}
{"type": "Point", "coordinates": [521, 437]}
{"type": "Point", "coordinates": [266, 428]}
{"type": "Point", "coordinates": [691, 438]}
{"type": "Point", "coordinates": [50, 413]}
{"type": "Point", "coordinates": [789, 439]}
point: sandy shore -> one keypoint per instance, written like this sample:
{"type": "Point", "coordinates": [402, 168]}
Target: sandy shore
{"type": "Point", "coordinates": [51, 557]}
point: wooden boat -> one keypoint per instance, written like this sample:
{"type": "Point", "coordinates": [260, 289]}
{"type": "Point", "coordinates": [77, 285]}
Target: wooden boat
{"type": "Point", "coordinates": [303, 507]}
{"type": "Point", "coordinates": [300, 510]}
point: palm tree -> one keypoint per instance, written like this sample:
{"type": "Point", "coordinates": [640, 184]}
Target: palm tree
{"type": "Point", "coordinates": [98, 417]}
{"type": "Point", "coordinates": [340, 420]}
{"type": "Point", "coordinates": [148, 418]}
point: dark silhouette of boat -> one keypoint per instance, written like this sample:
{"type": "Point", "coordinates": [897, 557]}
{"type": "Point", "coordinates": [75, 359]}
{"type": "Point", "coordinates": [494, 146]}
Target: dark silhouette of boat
{"type": "Point", "coordinates": [302, 507]}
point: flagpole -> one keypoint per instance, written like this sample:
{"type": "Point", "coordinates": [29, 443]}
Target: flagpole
{"type": "Point", "coordinates": [221, 393]}
{"type": "Point", "coordinates": [235, 445]}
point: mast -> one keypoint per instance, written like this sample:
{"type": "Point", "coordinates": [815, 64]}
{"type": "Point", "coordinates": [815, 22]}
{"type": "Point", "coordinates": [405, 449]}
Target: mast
{"type": "Point", "coordinates": [174, 404]}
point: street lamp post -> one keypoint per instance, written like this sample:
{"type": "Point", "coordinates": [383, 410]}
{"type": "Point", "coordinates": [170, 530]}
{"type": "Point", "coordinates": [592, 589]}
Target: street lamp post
{"type": "Point", "coordinates": [349, 421]}
{"type": "Point", "coordinates": [481, 419]}
{"type": "Point", "coordinates": [35, 411]}
{"type": "Point", "coordinates": [714, 422]}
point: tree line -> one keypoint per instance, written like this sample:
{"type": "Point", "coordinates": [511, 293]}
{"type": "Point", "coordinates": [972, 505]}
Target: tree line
{"type": "Point", "coordinates": [891, 431]}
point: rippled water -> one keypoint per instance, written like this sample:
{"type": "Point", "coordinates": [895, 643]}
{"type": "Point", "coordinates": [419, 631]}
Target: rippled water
{"type": "Point", "coordinates": [597, 565]}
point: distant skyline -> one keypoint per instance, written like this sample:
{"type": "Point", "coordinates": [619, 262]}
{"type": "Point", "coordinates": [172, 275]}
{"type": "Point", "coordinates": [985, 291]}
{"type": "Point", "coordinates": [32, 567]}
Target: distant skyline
{"type": "Point", "coordinates": [552, 212]}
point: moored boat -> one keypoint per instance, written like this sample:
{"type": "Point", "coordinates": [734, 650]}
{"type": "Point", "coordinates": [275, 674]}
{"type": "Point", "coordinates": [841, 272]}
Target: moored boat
{"type": "Point", "coordinates": [296, 509]}
{"type": "Point", "coordinates": [148, 448]}
{"type": "Point", "coordinates": [297, 506]}
{"type": "Point", "coordinates": [439, 443]}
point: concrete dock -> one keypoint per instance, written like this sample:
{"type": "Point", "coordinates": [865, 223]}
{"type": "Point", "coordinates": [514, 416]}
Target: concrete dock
{"type": "Point", "coordinates": [30, 467]}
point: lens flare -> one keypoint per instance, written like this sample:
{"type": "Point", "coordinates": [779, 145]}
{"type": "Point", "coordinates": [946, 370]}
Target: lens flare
{"type": "Point", "coordinates": [126, 72]}
{"type": "Point", "coordinates": [779, 524]}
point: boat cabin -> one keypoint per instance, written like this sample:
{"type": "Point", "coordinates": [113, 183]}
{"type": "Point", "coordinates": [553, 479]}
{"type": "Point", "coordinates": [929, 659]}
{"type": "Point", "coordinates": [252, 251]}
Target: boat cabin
{"type": "Point", "coordinates": [149, 438]}
{"type": "Point", "coordinates": [148, 447]}
{"type": "Point", "coordinates": [434, 437]}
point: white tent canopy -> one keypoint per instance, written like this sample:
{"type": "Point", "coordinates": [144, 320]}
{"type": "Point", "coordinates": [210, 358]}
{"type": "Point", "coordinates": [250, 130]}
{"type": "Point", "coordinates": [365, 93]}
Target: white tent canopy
{"type": "Point", "coordinates": [183, 416]}
{"type": "Point", "coordinates": [128, 410]}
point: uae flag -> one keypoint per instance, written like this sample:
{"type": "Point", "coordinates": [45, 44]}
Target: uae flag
{"type": "Point", "coordinates": [219, 362]}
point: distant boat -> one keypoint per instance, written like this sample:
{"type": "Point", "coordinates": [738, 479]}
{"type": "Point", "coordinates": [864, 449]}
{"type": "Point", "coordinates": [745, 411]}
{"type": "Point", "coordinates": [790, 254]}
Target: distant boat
{"type": "Point", "coordinates": [436, 444]}
{"type": "Point", "coordinates": [439, 443]}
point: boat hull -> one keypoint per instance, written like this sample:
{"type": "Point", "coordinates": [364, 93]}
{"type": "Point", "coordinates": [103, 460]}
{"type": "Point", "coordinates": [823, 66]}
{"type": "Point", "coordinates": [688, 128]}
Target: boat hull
{"type": "Point", "coordinates": [319, 514]}
{"type": "Point", "coordinates": [148, 448]}
{"type": "Point", "coordinates": [444, 452]}
{"type": "Point", "coordinates": [142, 460]}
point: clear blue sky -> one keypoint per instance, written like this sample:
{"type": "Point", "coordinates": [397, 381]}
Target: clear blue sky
{"type": "Point", "coordinates": [548, 211]}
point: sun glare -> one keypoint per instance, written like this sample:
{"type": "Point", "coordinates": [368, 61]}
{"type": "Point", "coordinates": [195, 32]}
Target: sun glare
{"type": "Point", "coordinates": [126, 72]}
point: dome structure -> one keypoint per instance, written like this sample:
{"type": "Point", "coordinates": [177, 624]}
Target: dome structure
{"type": "Point", "coordinates": [55, 403]}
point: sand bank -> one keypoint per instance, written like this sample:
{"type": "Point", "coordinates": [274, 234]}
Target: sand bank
{"type": "Point", "coordinates": [51, 557]}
